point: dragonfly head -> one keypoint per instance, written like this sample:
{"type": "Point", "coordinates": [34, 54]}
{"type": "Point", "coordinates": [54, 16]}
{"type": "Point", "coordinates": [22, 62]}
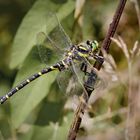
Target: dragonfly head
{"type": "Point", "coordinates": [94, 46]}
{"type": "Point", "coordinates": [88, 48]}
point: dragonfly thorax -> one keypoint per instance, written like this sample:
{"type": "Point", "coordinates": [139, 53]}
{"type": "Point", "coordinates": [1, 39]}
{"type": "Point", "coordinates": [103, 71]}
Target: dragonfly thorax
{"type": "Point", "coordinates": [80, 52]}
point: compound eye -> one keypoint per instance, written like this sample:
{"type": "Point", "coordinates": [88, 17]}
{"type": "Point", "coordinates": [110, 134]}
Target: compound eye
{"type": "Point", "coordinates": [94, 45]}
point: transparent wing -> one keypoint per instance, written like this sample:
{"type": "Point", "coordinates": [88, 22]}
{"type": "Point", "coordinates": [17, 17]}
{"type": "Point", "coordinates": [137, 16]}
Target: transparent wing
{"type": "Point", "coordinates": [54, 40]}
{"type": "Point", "coordinates": [57, 36]}
{"type": "Point", "coordinates": [72, 81]}
{"type": "Point", "coordinates": [83, 77]}
{"type": "Point", "coordinates": [47, 52]}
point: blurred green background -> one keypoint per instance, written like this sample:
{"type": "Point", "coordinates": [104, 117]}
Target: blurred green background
{"type": "Point", "coordinates": [41, 111]}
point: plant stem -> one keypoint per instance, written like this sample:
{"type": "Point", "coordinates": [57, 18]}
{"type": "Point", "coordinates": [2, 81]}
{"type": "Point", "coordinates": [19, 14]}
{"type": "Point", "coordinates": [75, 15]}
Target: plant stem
{"type": "Point", "coordinates": [130, 122]}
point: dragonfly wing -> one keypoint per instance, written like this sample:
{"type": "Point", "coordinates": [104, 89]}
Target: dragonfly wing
{"type": "Point", "coordinates": [57, 36]}
{"type": "Point", "coordinates": [71, 81]}
{"type": "Point", "coordinates": [47, 52]}
{"type": "Point", "coordinates": [100, 84]}
{"type": "Point", "coordinates": [53, 41]}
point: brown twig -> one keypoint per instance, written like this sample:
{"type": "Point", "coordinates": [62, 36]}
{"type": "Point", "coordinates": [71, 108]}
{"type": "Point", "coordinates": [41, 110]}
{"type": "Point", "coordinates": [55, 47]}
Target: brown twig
{"type": "Point", "coordinates": [86, 95]}
{"type": "Point", "coordinates": [111, 31]}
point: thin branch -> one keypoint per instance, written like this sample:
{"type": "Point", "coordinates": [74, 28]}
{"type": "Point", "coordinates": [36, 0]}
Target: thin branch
{"type": "Point", "coordinates": [113, 26]}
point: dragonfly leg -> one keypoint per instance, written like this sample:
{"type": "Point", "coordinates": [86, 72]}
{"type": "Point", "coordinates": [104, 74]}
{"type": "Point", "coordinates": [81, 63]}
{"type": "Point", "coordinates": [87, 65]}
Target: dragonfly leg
{"type": "Point", "coordinates": [84, 67]}
{"type": "Point", "coordinates": [99, 59]}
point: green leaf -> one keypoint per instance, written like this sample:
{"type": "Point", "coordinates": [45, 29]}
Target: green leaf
{"type": "Point", "coordinates": [33, 23]}
{"type": "Point", "coordinates": [28, 98]}
{"type": "Point", "coordinates": [53, 131]}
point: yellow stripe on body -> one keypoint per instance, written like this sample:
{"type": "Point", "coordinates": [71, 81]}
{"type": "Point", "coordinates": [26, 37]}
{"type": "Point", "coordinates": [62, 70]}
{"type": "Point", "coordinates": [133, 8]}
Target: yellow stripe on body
{"type": "Point", "coordinates": [83, 55]}
{"type": "Point", "coordinates": [69, 53]}
{"type": "Point", "coordinates": [53, 68]}
{"type": "Point", "coordinates": [83, 48]}
{"type": "Point", "coordinates": [28, 80]}
{"type": "Point", "coordinates": [17, 88]}
{"type": "Point", "coordinates": [75, 61]}
{"type": "Point", "coordinates": [65, 65]}
{"type": "Point", "coordinates": [6, 96]}
{"type": "Point", "coordinates": [63, 62]}
{"type": "Point", "coordinates": [40, 73]}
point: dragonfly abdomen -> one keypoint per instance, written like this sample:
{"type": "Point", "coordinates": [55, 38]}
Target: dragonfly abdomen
{"type": "Point", "coordinates": [26, 82]}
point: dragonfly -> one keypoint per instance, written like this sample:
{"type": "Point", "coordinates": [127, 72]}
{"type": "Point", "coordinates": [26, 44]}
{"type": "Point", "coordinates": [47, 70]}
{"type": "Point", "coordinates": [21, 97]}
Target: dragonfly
{"type": "Point", "coordinates": [71, 56]}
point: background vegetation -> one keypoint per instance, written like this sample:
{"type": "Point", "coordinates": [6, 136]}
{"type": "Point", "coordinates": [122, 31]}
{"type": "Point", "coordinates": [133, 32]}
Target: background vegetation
{"type": "Point", "coordinates": [41, 110]}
